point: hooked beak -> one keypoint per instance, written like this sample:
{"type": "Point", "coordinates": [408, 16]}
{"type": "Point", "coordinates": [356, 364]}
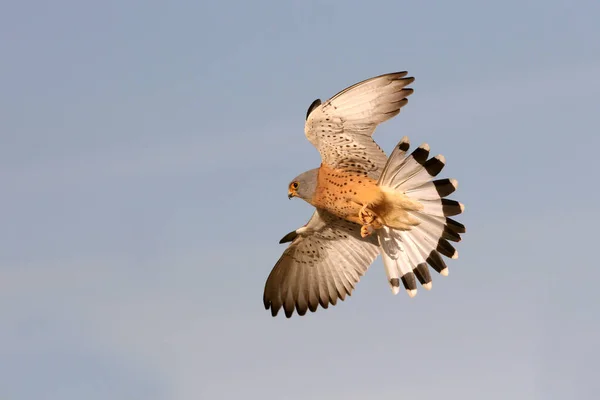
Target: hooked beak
{"type": "Point", "coordinates": [290, 195]}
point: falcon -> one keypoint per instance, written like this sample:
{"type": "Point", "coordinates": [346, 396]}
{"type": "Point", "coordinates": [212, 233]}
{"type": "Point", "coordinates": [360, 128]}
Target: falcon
{"type": "Point", "coordinates": [366, 204]}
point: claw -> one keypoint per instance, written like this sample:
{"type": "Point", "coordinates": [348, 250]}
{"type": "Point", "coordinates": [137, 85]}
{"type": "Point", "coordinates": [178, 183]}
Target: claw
{"type": "Point", "coordinates": [366, 230]}
{"type": "Point", "coordinates": [366, 216]}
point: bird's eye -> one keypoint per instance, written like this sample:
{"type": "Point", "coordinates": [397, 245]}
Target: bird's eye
{"type": "Point", "coordinates": [295, 185]}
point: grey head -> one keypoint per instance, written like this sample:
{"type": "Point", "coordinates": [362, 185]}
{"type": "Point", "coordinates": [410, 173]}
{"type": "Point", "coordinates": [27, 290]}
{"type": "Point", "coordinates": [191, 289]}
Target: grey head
{"type": "Point", "coordinates": [304, 185]}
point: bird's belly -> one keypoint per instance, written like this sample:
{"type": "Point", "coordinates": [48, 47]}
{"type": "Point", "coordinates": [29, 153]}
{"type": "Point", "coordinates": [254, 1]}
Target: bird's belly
{"type": "Point", "coordinates": [345, 194]}
{"type": "Point", "coordinates": [342, 206]}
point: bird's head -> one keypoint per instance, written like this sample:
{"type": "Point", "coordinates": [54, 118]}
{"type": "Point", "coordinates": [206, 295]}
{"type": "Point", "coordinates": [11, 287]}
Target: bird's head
{"type": "Point", "coordinates": [304, 185]}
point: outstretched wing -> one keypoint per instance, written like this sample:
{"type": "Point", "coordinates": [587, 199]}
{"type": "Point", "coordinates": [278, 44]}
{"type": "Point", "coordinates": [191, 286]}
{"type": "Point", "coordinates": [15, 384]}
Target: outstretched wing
{"type": "Point", "coordinates": [324, 262]}
{"type": "Point", "coordinates": [341, 128]}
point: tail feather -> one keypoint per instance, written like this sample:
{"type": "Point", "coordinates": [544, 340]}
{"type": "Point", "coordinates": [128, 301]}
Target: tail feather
{"type": "Point", "coordinates": [416, 260]}
{"type": "Point", "coordinates": [433, 190]}
{"type": "Point", "coordinates": [455, 225]}
{"type": "Point", "coordinates": [423, 275]}
{"type": "Point", "coordinates": [441, 207]}
{"type": "Point", "coordinates": [423, 174]}
{"type": "Point", "coordinates": [406, 253]}
{"type": "Point", "coordinates": [396, 262]}
{"type": "Point", "coordinates": [395, 160]}
{"type": "Point", "coordinates": [398, 167]}
{"type": "Point", "coordinates": [391, 250]}
{"type": "Point", "coordinates": [433, 228]}
{"type": "Point", "coordinates": [446, 227]}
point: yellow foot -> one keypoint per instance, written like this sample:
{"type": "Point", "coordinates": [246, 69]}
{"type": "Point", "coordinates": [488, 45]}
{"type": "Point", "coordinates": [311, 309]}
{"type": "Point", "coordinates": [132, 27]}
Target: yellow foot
{"type": "Point", "coordinates": [366, 230]}
{"type": "Point", "coordinates": [366, 216]}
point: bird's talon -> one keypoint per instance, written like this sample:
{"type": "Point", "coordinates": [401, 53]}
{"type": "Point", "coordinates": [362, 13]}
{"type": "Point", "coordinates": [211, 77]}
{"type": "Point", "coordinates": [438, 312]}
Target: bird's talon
{"type": "Point", "coordinates": [366, 216]}
{"type": "Point", "coordinates": [366, 230]}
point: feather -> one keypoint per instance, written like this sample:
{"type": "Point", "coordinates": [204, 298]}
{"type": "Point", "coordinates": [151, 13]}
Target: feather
{"type": "Point", "coordinates": [413, 176]}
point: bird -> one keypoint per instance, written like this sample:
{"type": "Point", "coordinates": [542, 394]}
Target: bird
{"type": "Point", "coordinates": [366, 204]}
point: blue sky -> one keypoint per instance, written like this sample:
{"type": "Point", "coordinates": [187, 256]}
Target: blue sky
{"type": "Point", "coordinates": [145, 152]}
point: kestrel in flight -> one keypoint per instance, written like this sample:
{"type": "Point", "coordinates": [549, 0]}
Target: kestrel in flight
{"type": "Point", "coordinates": [365, 204]}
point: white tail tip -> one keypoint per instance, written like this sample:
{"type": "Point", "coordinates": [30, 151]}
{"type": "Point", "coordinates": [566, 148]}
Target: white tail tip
{"type": "Point", "coordinates": [411, 293]}
{"type": "Point", "coordinates": [444, 272]}
{"type": "Point", "coordinates": [427, 286]}
{"type": "Point", "coordinates": [395, 290]}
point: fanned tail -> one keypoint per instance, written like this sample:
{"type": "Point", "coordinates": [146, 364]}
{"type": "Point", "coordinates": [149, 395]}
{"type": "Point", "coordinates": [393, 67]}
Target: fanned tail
{"type": "Point", "coordinates": [407, 252]}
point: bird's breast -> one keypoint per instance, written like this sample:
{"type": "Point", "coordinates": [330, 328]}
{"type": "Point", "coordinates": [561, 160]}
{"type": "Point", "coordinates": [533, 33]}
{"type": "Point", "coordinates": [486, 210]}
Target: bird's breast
{"type": "Point", "coordinates": [343, 193]}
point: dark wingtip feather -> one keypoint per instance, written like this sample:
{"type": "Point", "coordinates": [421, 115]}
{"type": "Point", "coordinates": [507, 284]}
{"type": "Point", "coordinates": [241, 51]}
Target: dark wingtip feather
{"type": "Point", "coordinates": [289, 310]}
{"type": "Point", "coordinates": [289, 237]}
{"type": "Point", "coordinates": [274, 311]}
{"type": "Point", "coordinates": [312, 106]}
{"type": "Point", "coordinates": [302, 310]}
{"type": "Point", "coordinates": [399, 74]}
{"type": "Point", "coordinates": [407, 91]}
{"type": "Point", "coordinates": [400, 104]}
{"type": "Point", "coordinates": [407, 80]}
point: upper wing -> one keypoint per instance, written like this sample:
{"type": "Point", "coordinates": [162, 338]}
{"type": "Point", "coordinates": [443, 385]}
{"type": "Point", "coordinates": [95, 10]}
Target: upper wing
{"type": "Point", "coordinates": [341, 128]}
{"type": "Point", "coordinates": [325, 260]}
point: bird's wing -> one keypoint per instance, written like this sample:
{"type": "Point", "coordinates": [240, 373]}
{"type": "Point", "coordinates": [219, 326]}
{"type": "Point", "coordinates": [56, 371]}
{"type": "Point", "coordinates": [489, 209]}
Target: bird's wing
{"type": "Point", "coordinates": [323, 263]}
{"type": "Point", "coordinates": [341, 128]}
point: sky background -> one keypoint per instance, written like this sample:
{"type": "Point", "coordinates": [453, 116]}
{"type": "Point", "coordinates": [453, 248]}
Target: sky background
{"type": "Point", "coordinates": [145, 152]}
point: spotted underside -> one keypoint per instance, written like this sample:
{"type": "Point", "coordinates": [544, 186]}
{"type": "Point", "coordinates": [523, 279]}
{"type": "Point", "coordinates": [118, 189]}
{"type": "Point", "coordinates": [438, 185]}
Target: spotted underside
{"type": "Point", "coordinates": [343, 193]}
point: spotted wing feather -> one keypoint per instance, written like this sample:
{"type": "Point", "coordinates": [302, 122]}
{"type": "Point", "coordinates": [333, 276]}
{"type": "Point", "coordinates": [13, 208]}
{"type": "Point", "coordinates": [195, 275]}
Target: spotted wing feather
{"type": "Point", "coordinates": [341, 128]}
{"type": "Point", "coordinates": [324, 262]}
